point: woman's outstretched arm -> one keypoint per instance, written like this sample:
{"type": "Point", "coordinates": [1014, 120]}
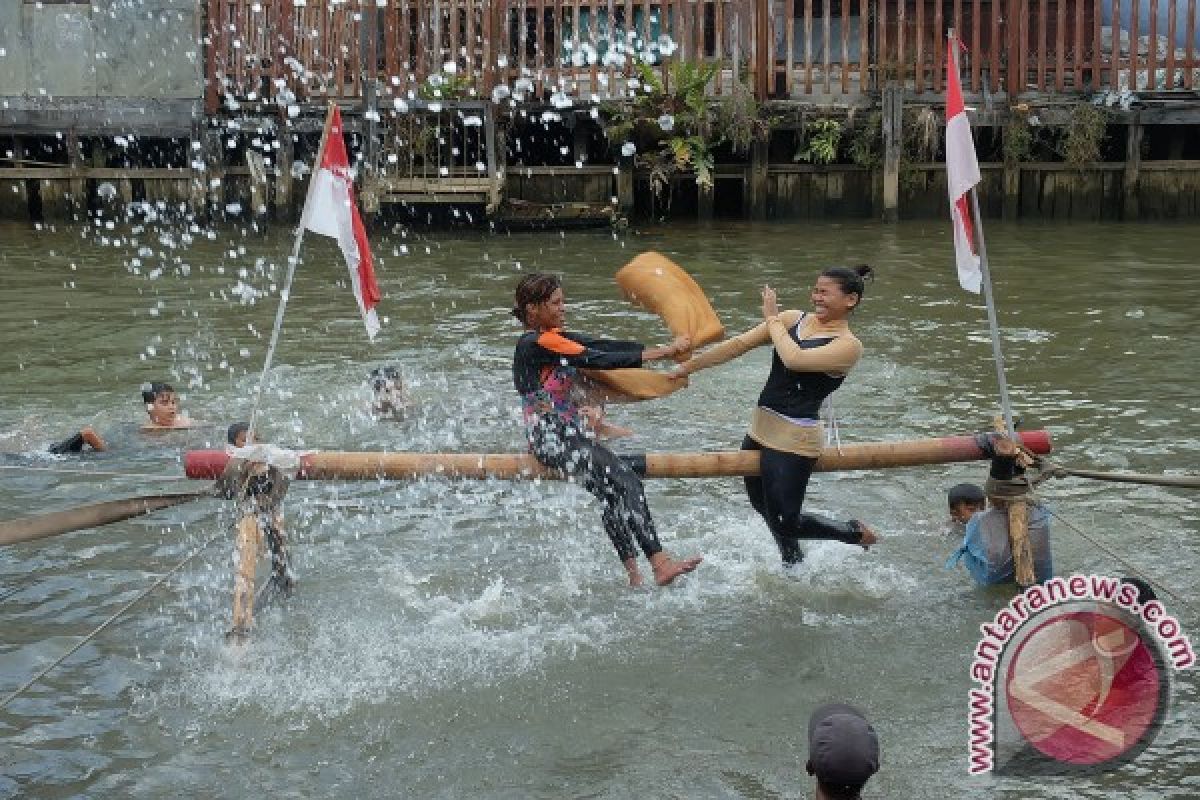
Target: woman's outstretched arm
{"type": "Point", "coordinates": [731, 348]}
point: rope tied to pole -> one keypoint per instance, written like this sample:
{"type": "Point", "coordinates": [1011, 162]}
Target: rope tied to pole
{"type": "Point", "coordinates": [116, 616]}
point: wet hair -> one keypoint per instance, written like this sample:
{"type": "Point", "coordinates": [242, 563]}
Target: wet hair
{"type": "Point", "coordinates": [235, 430]}
{"type": "Point", "coordinates": [965, 493]}
{"type": "Point", "coordinates": [851, 280]}
{"type": "Point", "coordinates": [380, 376]}
{"type": "Point", "coordinates": [1145, 591]}
{"type": "Point", "coordinates": [151, 391]}
{"type": "Point", "coordinates": [533, 289]}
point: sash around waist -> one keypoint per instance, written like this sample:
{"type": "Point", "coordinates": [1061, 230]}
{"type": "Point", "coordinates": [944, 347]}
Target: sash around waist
{"type": "Point", "coordinates": [773, 430]}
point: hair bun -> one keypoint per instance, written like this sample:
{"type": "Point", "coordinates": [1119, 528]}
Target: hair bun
{"type": "Point", "coordinates": [865, 271]}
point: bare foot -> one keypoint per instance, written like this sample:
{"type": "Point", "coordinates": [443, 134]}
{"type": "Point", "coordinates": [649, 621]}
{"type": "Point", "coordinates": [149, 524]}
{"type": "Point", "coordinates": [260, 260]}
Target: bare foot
{"type": "Point", "coordinates": [635, 580]}
{"type": "Point", "coordinates": [667, 570]}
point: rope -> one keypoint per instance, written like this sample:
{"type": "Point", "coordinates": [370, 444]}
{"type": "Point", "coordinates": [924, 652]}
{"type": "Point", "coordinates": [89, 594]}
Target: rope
{"type": "Point", "coordinates": [162, 578]}
{"type": "Point", "coordinates": [1129, 565]}
{"type": "Point", "coordinates": [68, 471]}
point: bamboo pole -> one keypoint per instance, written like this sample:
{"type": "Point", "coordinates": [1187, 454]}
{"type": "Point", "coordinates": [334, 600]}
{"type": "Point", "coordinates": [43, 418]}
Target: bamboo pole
{"type": "Point", "coordinates": [1018, 530]}
{"type": "Point", "coordinates": [41, 526]}
{"type": "Point", "coordinates": [209, 464]}
{"type": "Point", "coordinates": [249, 541]}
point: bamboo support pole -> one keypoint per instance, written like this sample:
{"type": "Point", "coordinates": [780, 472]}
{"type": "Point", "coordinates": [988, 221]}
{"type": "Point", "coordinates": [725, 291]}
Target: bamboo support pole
{"type": "Point", "coordinates": [208, 464]}
{"type": "Point", "coordinates": [249, 542]}
{"type": "Point", "coordinates": [1018, 531]}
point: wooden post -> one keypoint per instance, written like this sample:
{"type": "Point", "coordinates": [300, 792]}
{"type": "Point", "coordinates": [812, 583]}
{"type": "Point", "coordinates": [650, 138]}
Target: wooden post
{"type": "Point", "coordinates": [78, 194]}
{"type": "Point", "coordinates": [1012, 184]}
{"type": "Point", "coordinates": [625, 202]}
{"type": "Point", "coordinates": [704, 202]}
{"type": "Point", "coordinates": [756, 183]}
{"type": "Point", "coordinates": [284, 159]}
{"type": "Point", "coordinates": [368, 44]}
{"type": "Point", "coordinates": [764, 56]}
{"type": "Point", "coordinates": [259, 188]}
{"type": "Point", "coordinates": [1018, 533]}
{"type": "Point", "coordinates": [249, 541]}
{"type": "Point", "coordinates": [496, 145]}
{"type": "Point", "coordinates": [214, 176]}
{"type": "Point", "coordinates": [1133, 163]}
{"type": "Point", "coordinates": [893, 141]}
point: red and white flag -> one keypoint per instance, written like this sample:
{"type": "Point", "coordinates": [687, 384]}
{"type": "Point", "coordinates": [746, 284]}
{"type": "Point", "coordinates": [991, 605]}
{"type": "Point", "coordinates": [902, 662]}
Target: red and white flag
{"type": "Point", "coordinates": [962, 173]}
{"type": "Point", "coordinates": [331, 210]}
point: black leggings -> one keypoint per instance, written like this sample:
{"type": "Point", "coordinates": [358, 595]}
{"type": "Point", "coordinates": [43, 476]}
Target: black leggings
{"type": "Point", "coordinates": [778, 496]}
{"type": "Point", "coordinates": [561, 445]}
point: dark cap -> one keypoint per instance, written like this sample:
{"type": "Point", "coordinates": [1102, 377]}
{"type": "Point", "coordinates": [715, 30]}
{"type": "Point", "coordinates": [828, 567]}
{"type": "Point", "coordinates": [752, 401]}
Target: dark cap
{"type": "Point", "coordinates": [843, 751]}
{"type": "Point", "coordinates": [965, 493]}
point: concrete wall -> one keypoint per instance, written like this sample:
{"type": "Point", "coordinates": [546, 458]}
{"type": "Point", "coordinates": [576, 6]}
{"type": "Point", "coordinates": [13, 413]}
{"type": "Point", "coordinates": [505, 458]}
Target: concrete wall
{"type": "Point", "coordinates": [145, 49]}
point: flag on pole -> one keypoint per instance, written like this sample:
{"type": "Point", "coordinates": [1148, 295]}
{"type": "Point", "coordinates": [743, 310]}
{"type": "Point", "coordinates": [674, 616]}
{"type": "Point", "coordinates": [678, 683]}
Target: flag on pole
{"type": "Point", "coordinates": [962, 174]}
{"type": "Point", "coordinates": [332, 211]}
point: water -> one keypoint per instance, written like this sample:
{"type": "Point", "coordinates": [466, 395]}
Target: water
{"type": "Point", "coordinates": [475, 639]}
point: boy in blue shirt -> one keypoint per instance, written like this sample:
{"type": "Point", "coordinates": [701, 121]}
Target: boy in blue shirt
{"type": "Point", "coordinates": [985, 549]}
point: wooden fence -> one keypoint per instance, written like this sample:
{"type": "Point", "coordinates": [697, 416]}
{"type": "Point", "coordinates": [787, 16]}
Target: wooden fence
{"type": "Point", "coordinates": [276, 50]}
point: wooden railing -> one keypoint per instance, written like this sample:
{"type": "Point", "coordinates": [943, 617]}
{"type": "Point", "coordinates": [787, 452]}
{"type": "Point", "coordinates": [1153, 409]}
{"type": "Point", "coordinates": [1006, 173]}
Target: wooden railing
{"type": "Point", "coordinates": [279, 49]}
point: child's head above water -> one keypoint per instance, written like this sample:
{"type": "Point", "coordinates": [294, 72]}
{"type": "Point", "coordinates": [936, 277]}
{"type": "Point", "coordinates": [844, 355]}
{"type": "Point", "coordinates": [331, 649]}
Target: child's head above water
{"type": "Point", "coordinates": [965, 499]}
{"type": "Point", "coordinates": [236, 435]}
{"type": "Point", "coordinates": [162, 404]}
{"type": "Point", "coordinates": [388, 387]}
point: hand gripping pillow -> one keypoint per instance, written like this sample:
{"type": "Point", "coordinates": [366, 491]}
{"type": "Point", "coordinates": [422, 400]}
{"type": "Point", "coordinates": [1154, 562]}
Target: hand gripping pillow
{"type": "Point", "coordinates": [658, 284]}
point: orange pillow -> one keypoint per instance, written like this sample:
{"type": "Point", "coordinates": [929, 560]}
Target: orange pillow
{"type": "Point", "coordinates": [658, 284]}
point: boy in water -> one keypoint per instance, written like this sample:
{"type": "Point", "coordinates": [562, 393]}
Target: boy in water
{"type": "Point", "coordinates": [390, 400]}
{"type": "Point", "coordinates": [236, 435]}
{"type": "Point", "coordinates": [162, 405]}
{"type": "Point", "coordinates": [985, 549]}
{"type": "Point", "coordinates": [964, 500]}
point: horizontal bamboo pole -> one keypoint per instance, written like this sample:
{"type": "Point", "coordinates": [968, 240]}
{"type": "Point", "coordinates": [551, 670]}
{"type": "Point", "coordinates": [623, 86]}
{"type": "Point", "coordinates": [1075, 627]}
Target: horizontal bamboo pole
{"type": "Point", "coordinates": [208, 464]}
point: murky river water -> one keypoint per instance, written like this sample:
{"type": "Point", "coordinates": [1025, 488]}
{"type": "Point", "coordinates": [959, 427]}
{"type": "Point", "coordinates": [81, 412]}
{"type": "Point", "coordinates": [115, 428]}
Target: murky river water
{"type": "Point", "coordinates": [475, 639]}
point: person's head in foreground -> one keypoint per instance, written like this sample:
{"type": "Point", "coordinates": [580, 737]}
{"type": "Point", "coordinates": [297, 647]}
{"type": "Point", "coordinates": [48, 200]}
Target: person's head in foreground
{"type": "Point", "coordinates": [964, 500]}
{"type": "Point", "coordinates": [843, 751]}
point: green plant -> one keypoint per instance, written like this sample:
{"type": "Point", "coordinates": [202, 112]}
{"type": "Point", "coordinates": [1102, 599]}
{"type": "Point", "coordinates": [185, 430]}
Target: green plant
{"type": "Point", "coordinates": [1085, 135]}
{"type": "Point", "coordinates": [921, 135]}
{"type": "Point", "coordinates": [674, 125]}
{"type": "Point", "coordinates": [821, 139]}
{"type": "Point", "coordinates": [866, 141]}
{"type": "Point", "coordinates": [740, 119]}
{"type": "Point", "coordinates": [444, 88]}
{"type": "Point", "coordinates": [1017, 144]}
